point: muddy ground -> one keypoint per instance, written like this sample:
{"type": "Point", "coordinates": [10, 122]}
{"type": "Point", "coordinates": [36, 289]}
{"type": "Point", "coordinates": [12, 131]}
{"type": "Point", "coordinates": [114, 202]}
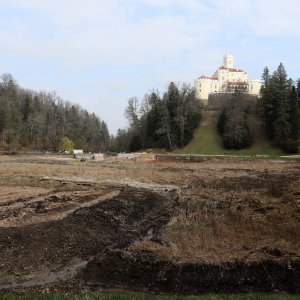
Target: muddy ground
{"type": "Point", "coordinates": [219, 225]}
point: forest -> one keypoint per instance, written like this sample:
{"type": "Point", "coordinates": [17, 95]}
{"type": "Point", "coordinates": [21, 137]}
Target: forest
{"type": "Point", "coordinates": [41, 120]}
{"type": "Point", "coordinates": [31, 120]}
{"type": "Point", "coordinates": [278, 108]}
{"type": "Point", "coordinates": [166, 120]}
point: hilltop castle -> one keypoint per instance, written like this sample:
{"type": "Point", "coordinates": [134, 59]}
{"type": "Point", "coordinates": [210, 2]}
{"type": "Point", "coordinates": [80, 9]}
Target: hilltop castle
{"type": "Point", "coordinates": [226, 79]}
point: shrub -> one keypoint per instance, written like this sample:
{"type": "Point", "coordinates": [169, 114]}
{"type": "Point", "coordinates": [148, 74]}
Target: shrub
{"type": "Point", "coordinates": [291, 146]}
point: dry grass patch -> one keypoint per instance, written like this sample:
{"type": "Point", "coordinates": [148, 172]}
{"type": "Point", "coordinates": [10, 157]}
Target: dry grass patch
{"type": "Point", "coordinates": [229, 209]}
{"type": "Point", "coordinates": [215, 225]}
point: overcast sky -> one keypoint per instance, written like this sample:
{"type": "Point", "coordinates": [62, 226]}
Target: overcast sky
{"type": "Point", "coordinates": [98, 53]}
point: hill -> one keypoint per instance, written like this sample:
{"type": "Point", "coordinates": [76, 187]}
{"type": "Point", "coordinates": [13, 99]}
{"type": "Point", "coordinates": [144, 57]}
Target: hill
{"type": "Point", "coordinates": [207, 141]}
{"type": "Point", "coordinates": [39, 120]}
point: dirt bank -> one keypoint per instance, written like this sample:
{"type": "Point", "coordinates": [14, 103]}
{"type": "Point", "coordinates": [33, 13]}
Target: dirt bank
{"type": "Point", "coordinates": [144, 270]}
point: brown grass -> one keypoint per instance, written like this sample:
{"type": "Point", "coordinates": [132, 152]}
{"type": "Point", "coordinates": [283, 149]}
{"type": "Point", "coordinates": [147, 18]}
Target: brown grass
{"type": "Point", "coordinates": [215, 225]}
{"type": "Point", "coordinates": [229, 209]}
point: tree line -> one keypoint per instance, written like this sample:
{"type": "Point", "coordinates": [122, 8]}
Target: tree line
{"type": "Point", "coordinates": [278, 107]}
{"type": "Point", "coordinates": [166, 121]}
{"type": "Point", "coordinates": [40, 120]}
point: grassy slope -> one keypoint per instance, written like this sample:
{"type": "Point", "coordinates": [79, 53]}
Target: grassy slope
{"type": "Point", "coordinates": [206, 139]}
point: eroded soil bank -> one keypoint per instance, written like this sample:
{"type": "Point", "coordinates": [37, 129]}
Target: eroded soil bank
{"type": "Point", "coordinates": [172, 228]}
{"type": "Point", "coordinates": [143, 270]}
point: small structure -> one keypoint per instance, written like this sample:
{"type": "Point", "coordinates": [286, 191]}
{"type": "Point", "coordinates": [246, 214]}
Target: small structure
{"type": "Point", "coordinates": [127, 156]}
{"type": "Point", "coordinates": [77, 151]}
{"type": "Point", "coordinates": [88, 156]}
{"type": "Point", "coordinates": [97, 157]}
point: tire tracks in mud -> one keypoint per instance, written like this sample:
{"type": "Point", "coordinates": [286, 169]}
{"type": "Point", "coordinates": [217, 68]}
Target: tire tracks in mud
{"type": "Point", "coordinates": [90, 247]}
{"type": "Point", "coordinates": [43, 253]}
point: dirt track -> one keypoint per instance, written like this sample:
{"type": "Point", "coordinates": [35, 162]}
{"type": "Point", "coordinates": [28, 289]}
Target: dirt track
{"type": "Point", "coordinates": [110, 226]}
{"type": "Point", "coordinates": [30, 252]}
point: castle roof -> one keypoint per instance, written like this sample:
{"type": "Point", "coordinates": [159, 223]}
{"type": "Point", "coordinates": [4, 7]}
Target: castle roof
{"type": "Point", "coordinates": [238, 83]}
{"type": "Point", "coordinates": [230, 69]}
{"type": "Point", "coordinates": [206, 77]}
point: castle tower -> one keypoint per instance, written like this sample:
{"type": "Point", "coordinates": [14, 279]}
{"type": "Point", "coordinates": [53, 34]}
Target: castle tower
{"type": "Point", "coordinates": [228, 60]}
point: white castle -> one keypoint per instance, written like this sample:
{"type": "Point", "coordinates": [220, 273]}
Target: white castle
{"type": "Point", "coordinates": [227, 79]}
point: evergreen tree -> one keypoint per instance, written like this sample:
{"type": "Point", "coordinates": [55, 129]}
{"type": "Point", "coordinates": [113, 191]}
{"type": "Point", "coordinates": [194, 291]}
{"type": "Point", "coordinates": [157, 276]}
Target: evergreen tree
{"type": "Point", "coordinates": [165, 128]}
{"type": "Point", "coordinates": [281, 106]}
{"type": "Point", "coordinates": [122, 141]}
{"type": "Point", "coordinates": [268, 105]}
{"type": "Point", "coordinates": [222, 122]}
{"type": "Point", "coordinates": [153, 119]}
{"type": "Point", "coordinates": [173, 101]}
{"type": "Point", "coordinates": [282, 127]}
{"type": "Point", "coordinates": [279, 97]}
{"type": "Point", "coordinates": [192, 116]}
{"type": "Point", "coordinates": [298, 91]}
{"type": "Point", "coordinates": [294, 114]}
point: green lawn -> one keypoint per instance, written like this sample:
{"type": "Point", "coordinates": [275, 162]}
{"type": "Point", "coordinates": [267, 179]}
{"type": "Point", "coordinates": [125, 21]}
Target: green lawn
{"type": "Point", "coordinates": [113, 296]}
{"type": "Point", "coordinates": [207, 141]}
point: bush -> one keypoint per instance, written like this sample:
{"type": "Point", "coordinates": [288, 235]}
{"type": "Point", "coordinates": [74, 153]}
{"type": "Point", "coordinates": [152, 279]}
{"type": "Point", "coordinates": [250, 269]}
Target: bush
{"type": "Point", "coordinates": [233, 125]}
{"type": "Point", "coordinates": [291, 146]}
{"type": "Point", "coordinates": [222, 122]}
{"type": "Point", "coordinates": [237, 141]}
{"type": "Point", "coordinates": [66, 144]}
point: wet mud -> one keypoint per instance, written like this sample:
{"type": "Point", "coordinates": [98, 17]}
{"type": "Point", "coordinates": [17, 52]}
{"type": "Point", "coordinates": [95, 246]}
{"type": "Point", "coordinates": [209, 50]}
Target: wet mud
{"type": "Point", "coordinates": [33, 252]}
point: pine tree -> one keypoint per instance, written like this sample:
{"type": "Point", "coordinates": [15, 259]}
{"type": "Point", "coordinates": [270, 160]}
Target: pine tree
{"type": "Point", "coordinates": [268, 105]}
{"type": "Point", "coordinates": [165, 128]}
{"type": "Point", "coordinates": [281, 106]}
{"type": "Point", "coordinates": [298, 92]}
{"type": "Point", "coordinates": [173, 101]}
{"type": "Point", "coordinates": [153, 120]}
{"type": "Point", "coordinates": [294, 114]}
{"type": "Point", "coordinates": [279, 97]}
{"type": "Point", "coordinates": [265, 77]}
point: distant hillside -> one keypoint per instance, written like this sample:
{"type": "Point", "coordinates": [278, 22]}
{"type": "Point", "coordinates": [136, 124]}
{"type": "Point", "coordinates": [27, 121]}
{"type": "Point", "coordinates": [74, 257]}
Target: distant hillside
{"type": "Point", "coordinates": [39, 120]}
{"type": "Point", "coordinates": [207, 141]}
